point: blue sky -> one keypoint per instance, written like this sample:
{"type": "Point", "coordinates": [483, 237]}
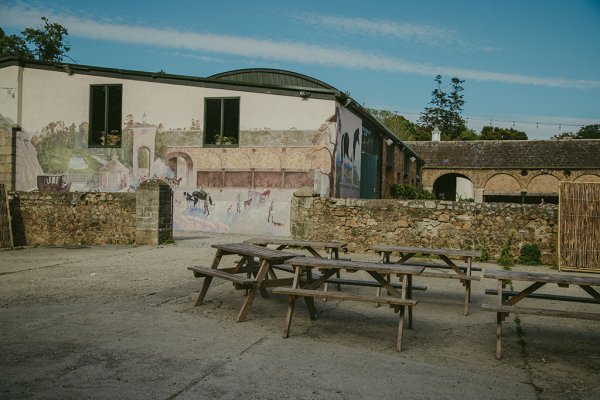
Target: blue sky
{"type": "Point", "coordinates": [536, 63]}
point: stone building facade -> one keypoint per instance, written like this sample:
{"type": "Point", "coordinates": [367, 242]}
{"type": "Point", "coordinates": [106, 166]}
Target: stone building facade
{"type": "Point", "coordinates": [517, 170]}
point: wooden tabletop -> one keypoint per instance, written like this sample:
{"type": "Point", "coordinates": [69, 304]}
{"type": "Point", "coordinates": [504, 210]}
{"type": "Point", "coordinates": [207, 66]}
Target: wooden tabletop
{"type": "Point", "coordinates": [247, 249]}
{"type": "Point", "coordinates": [541, 277]}
{"type": "Point", "coordinates": [426, 250]}
{"type": "Point", "coordinates": [323, 263]}
{"type": "Point", "coordinates": [298, 243]}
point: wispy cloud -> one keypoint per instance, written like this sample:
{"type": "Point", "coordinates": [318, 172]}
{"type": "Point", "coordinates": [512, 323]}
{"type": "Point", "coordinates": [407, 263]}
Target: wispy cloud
{"type": "Point", "coordinates": [409, 31]}
{"type": "Point", "coordinates": [271, 50]}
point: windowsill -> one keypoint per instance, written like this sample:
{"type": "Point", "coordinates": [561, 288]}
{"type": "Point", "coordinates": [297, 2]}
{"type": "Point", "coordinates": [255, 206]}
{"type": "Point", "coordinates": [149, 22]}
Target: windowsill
{"type": "Point", "coordinates": [100, 146]}
{"type": "Point", "coordinates": [221, 145]}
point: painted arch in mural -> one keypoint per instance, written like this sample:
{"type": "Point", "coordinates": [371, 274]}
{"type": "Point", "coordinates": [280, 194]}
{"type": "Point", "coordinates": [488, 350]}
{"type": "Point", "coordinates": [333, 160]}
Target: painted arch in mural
{"type": "Point", "coordinates": [182, 166]}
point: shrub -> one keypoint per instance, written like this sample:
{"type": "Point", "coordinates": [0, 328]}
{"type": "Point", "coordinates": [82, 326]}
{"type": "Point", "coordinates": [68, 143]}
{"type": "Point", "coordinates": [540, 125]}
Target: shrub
{"type": "Point", "coordinates": [409, 192]}
{"type": "Point", "coordinates": [485, 254]}
{"type": "Point", "coordinates": [530, 254]}
{"type": "Point", "coordinates": [506, 256]}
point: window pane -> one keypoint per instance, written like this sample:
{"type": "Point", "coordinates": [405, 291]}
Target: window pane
{"type": "Point", "coordinates": [114, 115]}
{"type": "Point", "coordinates": [105, 115]}
{"type": "Point", "coordinates": [97, 128]}
{"type": "Point", "coordinates": [231, 121]}
{"type": "Point", "coordinates": [212, 121]}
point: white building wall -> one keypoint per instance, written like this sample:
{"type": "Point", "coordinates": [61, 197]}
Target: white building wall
{"type": "Point", "coordinates": [9, 96]}
{"type": "Point", "coordinates": [56, 96]}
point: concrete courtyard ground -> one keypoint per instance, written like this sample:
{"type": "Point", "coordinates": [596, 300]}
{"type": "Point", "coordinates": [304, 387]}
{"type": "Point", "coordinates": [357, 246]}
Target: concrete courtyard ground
{"type": "Point", "coordinates": [118, 322]}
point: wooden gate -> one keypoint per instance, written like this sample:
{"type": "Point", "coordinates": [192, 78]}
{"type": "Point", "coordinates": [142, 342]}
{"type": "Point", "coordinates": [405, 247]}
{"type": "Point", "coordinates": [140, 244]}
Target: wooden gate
{"type": "Point", "coordinates": [6, 239]}
{"type": "Point", "coordinates": [579, 227]}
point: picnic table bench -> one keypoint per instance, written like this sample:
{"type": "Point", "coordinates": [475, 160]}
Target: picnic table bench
{"type": "Point", "coordinates": [309, 288]}
{"type": "Point", "coordinates": [463, 273]}
{"type": "Point", "coordinates": [332, 249]}
{"type": "Point", "coordinates": [254, 276]}
{"type": "Point", "coordinates": [507, 300]}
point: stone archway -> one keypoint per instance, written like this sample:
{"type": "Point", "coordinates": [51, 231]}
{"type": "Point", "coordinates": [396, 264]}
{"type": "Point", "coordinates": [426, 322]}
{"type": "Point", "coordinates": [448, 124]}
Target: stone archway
{"type": "Point", "coordinates": [453, 187]}
{"type": "Point", "coordinates": [502, 188]}
{"type": "Point", "coordinates": [543, 184]}
{"type": "Point", "coordinates": [587, 178]}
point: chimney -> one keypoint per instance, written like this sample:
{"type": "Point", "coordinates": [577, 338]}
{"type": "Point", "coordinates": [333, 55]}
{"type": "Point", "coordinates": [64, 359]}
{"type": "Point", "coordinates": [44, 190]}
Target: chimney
{"type": "Point", "coordinates": [436, 135]}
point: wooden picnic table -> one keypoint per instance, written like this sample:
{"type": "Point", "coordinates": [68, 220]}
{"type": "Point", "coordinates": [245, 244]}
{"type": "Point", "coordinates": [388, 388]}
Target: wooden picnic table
{"type": "Point", "coordinates": [309, 288]}
{"type": "Point", "coordinates": [331, 248]}
{"type": "Point", "coordinates": [507, 299]}
{"type": "Point", "coordinates": [246, 274]}
{"type": "Point", "coordinates": [461, 272]}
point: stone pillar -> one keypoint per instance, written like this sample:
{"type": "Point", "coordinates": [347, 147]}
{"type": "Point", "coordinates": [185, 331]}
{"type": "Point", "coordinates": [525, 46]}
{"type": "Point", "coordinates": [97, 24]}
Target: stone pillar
{"type": "Point", "coordinates": [154, 213]}
{"type": "Point", "coordinates": [7, 159]}
{"type": "Point", "coordinates": [478, 195]}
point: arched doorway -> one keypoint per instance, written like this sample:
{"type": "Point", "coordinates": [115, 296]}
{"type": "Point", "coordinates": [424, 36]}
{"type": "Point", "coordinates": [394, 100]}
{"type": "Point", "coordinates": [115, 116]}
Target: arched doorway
{"type": "Point", "coordinates": [143, 161]}
{"type": "Point", "coordinates": [453, 187]}
{"type": "Point", "coordinates": [183, 168]}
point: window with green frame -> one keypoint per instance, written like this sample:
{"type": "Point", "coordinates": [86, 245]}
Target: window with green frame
{"type": "Point", "coordinates": [222, 121]}
{"type": "Point", "coordinates": [105, 129]}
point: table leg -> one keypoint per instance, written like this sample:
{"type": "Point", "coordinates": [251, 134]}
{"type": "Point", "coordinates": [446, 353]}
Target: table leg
{"type": "Point", "coordinates": [400, 329]}
{"type": "Point", "coordinates": [469, 268]}
{"type": "Point", "coordinates": [208, 279]}
{"type": "Point", "coordinates": [384, 259]}
{"type": "Point", "coordinates": [499, 318]}
{"type": "Point", "coordinates": [260, 276]}
{"type": "Point", "coordinates": [467, 296]}
{"type": "Point", "coordinates": [288, 317]}
{"type": "Point", "coordinates": [205, 285]}
{"type": "Point", "coordinates": [247, 304]}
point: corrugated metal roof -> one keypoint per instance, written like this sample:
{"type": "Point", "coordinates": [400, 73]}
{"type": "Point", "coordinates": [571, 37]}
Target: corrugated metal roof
{"type": "Point", "coordinates": [265, 76]}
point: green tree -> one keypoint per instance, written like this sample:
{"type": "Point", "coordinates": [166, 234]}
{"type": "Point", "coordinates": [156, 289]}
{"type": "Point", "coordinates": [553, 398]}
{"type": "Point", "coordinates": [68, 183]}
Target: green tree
{"type": "Point", "coordinates": [403, 128]}
{"type": "Point", "coordinates": [46, 43]}
{"type": "Point", "coordinates": [496, 133]}
{"type": "Point", "coordinates": [444, 110]}
{"type": "Point", "coordinates": [589, 132]}
{"type": "Point", "coordinates": [585, 132]}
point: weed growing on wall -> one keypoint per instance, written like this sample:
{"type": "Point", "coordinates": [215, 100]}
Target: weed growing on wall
{"type": "Point", "coordinates": [530, 255]}
{"type": "Point", "coordinates": [506, 256]}
{"type": "Point", "coordinates": [485, 254]}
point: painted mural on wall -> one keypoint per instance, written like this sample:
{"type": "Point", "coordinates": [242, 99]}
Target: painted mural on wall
{"type": "Point", "coordinates": [58, 158]}
{"type": "Point", "coordinates": [348, 154]}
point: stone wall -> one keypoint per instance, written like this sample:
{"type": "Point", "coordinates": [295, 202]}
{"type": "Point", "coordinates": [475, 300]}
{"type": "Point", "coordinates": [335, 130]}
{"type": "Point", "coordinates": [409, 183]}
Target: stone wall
{"type": "Point", "coordinates": [72, 218]}
{"type": "Point", "coordinates": [7, 159]}
{"type": "Point", "coordinates": [426, 223]}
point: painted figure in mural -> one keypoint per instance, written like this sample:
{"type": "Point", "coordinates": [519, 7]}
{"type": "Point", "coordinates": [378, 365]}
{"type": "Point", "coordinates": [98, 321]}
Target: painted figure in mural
{"type": "Point", "coordinates": [355, 143]}
{"type": "Point", "coordinates": [254, 195]}
{"type": "Point", "coordinates": [271, 211]}
{"type": "Point", "coordinates": [239, 202]}
{"type": "Point", "coordinates": [265, 195]}
{"type": "Point", "coordinates": [206, 211]}
{"type": "Point", "coordinates": [193, 198]}
{"type": "Point", "coordinates": [346, 146]}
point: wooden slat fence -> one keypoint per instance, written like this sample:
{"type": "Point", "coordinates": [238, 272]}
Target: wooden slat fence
{"type": "Point", "coordinates": [579, 227]}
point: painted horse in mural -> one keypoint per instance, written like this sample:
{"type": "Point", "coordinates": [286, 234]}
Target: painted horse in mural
{"type": "Point", "coordinates": [197, 195]}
